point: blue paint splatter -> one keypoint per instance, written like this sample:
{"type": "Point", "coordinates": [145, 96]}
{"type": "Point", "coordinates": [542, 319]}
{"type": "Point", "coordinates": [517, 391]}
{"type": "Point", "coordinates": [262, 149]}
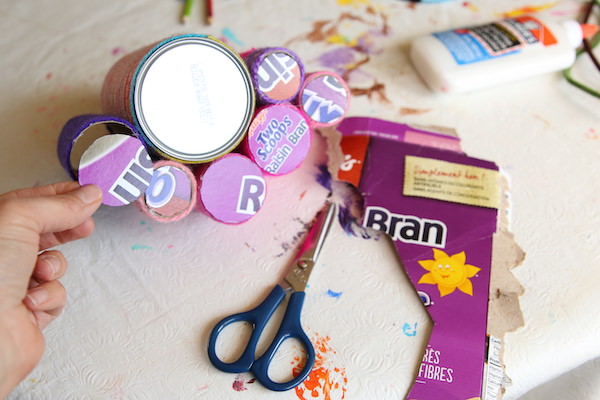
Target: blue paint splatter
{"type": "Point", "coordinates": [409, 330]}
{"type": "Point", "coordinates": [229, 35]}
{"type": "Point", "coordinates": [140, 247]}
{"type": "Point", "coordinates": [347, 220]}
{"type": "Point", "coordinates": [148, 228]}
{"type": "Point", "coordinates": [351, 210]}
{"type": "Point", "coordinates": [335, 295]}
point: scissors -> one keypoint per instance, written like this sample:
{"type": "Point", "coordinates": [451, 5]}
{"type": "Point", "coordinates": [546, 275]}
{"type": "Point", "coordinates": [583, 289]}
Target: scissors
{"type": "Point", "coordinates": [294, 284]}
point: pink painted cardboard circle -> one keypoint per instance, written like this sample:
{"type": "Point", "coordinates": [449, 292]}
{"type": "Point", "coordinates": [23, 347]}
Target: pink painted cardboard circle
{"type": "Point", "coordinates": [171, 194]}
{"type": "Point", "coordinates": [232, 189]}
{"type": "Point", "coordinates": [325, 98]}
{"type": "Point", "coordinates": [119, 165]}
{"type": "Point", "coordinates": [278, 139]}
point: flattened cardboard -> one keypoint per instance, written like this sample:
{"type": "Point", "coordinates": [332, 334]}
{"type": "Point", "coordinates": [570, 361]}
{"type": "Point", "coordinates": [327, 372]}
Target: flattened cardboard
{"type": "Point", "coordinates": [504, 312]}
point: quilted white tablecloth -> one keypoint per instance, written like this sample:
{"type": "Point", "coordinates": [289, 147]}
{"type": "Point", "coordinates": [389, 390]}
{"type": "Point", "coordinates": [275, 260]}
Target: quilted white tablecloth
{"type": "Point", "coordinates": [143, 296]}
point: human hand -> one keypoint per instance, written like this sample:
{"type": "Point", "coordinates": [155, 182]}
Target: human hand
{"type": "Point", "coordinates": [33, 220]}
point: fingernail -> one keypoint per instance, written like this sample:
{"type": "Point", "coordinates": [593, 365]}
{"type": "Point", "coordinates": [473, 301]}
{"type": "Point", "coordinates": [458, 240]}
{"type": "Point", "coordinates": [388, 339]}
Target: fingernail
{"type": "Point", "coordinates": [88, 193]}
{"type": "Point", "coordinates": [50, 262]}
{"type": "Point", "coordinates": [37, 296]}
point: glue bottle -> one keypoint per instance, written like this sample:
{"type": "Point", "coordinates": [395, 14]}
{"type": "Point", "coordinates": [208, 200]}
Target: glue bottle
{"type": "Point", "coordinates": [466, 59]}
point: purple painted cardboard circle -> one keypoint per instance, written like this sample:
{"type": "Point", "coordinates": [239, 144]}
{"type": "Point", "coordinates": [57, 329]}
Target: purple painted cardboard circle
{"type": "Point", "coordinates": [279, 139]}
{"type": "Point", "coordinates": [119, 165]}
{"type": "Point", "coordinates": [277, 74]}
{"type": "Point", "coordinates": [224, 185]}
{"type": "Point", "coordinates": [325, 98]}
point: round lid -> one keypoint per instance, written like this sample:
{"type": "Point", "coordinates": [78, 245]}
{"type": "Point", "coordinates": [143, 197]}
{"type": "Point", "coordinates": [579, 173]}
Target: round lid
{"type": "Point", "coordinates": [574, 32]}
{"type": "Point", "coordinates": [193, 99]}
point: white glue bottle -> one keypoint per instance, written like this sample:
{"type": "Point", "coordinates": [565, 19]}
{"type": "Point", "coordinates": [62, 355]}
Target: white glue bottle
{"type": "Point", "coordinates": [466, 59]}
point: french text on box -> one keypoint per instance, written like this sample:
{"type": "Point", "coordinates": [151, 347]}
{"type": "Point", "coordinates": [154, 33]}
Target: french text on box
{"type": "Point", "coordinates": [447, 181]}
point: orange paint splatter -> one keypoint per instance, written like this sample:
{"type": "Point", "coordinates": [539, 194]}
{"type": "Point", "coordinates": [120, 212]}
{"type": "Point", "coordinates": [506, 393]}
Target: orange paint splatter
{"type": "Point", "coordinates": [527, 10]}
{"type": "Point", "coordinates": [591, 134]}
{"type": "Point", "coordinates": [327, 31]}
{"type": "Point", "coordinates": [325, 382]}
{"type": "Point", "coordinates": [467, 4]}
{"type": "Point", "coordinates": [413, 111]}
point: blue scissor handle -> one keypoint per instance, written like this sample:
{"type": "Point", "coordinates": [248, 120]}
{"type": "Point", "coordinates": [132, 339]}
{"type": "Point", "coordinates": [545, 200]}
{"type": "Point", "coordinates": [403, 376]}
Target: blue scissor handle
{"type": "Point", "coordinates": [258, 317]}
{"type": "Point", "coordinates": [290, 328]}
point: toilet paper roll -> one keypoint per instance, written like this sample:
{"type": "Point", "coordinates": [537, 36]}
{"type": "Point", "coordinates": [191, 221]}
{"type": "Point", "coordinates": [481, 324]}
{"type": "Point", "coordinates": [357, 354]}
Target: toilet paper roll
{"type": "Point", "coordinates": [325, 98]}
{"type": "Point", "coordinates": [78, 128]}
{"type": "Point", "coordinates": [232, 189]}
{"type": "Point", "coordinates": [171, 194]}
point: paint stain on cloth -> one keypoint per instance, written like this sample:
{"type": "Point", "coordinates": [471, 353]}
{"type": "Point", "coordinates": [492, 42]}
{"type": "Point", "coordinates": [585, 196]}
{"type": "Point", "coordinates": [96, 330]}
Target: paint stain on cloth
{"type": "Point", "coordinates": [352, 38]}
{"type": "Point", "coordinates": [326, 381]}
{"type": "Point", "coordinates": [527, 10]}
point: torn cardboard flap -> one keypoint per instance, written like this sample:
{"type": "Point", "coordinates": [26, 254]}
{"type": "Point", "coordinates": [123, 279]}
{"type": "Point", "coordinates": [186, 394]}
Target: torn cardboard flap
{"type": "Point", "coordinates": [445, 212]}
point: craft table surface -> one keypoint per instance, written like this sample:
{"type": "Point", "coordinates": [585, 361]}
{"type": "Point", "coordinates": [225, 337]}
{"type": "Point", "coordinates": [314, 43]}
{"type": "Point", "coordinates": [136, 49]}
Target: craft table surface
{"type": "Point", "coordinates": [142, 296]}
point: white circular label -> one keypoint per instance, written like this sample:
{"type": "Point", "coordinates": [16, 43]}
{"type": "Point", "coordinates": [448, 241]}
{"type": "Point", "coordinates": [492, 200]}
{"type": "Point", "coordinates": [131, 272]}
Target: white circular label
{"type": "Point", "coordinates": [193, 100]}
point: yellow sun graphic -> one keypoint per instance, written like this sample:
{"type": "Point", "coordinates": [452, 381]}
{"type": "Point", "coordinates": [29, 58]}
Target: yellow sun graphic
{"type": "Point", "coordinates": [449, 272]}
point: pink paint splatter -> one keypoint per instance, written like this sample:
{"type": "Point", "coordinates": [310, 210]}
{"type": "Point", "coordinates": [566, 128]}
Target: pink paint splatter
{"type": "Point", "coordinates": [239, 384]}
{"type": "Point", "coordinates": [117, 51]}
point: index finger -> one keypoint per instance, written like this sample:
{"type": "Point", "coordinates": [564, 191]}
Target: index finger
{"type": "Point", "coordinates": [46, 190]}
{"type": "Point", "coordinates": [22, 215]}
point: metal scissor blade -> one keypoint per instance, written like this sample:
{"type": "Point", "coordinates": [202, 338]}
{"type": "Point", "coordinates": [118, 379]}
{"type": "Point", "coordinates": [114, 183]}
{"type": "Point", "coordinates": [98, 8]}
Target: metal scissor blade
{"type": "Point", "coordinates": [301, 268]}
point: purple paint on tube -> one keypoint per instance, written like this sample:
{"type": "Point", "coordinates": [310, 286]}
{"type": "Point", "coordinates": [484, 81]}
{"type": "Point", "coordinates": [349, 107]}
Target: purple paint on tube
{"type": "Point", "coordinates": [232, 189]}
{"type": "Point", "coordinates": [278, 139]}
{"type": "Point", "coordinates": [81, 131]}
{"type": "Point", "coordinates": [277, 74]}
{"type": "Point", "coordinates": [171, 194]}
{"type": "Point", "coordinates": [119, 165]}
{"type": "Point", "coordinates": [325, 98]}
